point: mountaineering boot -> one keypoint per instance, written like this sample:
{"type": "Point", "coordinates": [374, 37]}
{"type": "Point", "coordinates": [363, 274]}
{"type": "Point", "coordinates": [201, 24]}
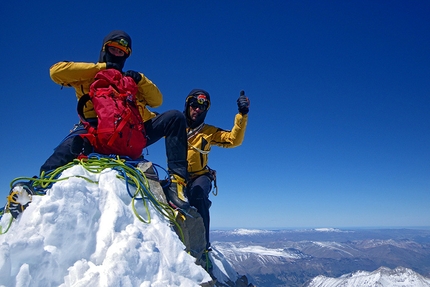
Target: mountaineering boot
{"type": "Point", "coordinates": [19, 198]}
{"type": "Point", "coordinates": [175, 193]}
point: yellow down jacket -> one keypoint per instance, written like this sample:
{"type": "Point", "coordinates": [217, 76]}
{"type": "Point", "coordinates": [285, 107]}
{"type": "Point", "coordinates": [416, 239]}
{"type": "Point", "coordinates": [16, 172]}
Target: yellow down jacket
{"type": "Point", "coordinates": [199, 145]}
{"type": "Point", "coordinates": [80, 76]}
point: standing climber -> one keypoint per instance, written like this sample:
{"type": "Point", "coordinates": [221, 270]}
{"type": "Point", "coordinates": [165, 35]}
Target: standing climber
{"type": "Point", "coordinates": [201, 137]}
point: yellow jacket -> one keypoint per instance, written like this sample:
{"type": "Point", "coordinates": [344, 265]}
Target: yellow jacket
{"type": "Point", "coordinates": [81, 75]}
{"type": "Point", "coordinates": [199, 145]}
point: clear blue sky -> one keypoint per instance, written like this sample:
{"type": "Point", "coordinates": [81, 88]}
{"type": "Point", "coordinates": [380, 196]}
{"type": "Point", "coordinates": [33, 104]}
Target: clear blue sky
{"type": "Point", "coordinates": [338, 132]}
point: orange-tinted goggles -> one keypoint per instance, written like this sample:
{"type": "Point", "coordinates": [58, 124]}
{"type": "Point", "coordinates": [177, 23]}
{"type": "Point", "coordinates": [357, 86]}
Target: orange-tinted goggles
{"type": "Point", "coordinates": [120, 44]}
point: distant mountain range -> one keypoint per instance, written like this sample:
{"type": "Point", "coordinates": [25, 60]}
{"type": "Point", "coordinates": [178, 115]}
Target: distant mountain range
{"type": "Point", "coordinates": [295, 257]}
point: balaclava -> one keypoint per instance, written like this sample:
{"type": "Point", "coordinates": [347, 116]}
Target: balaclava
{"type": "Point", "coordinates": [120, 40]}
{"type": "Point", "coordinates": [200, 96]}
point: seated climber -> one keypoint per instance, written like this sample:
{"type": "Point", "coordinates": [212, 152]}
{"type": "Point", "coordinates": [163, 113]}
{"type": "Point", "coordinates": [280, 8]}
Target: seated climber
{"type": "Point", "coordinates": [116, 49]}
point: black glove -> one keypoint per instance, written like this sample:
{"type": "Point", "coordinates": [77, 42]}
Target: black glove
{"type": "Point", "coordinates": [111, 65]}
{"type": "Point", "coordinates": [81, 146]}
{"type": "Point", "coordinates": [243, 103]}
{"type": "Point", "coordinates": [136, 76]}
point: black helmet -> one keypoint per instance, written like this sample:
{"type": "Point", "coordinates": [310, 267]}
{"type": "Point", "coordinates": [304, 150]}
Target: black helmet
{"type": "Point", "coordinates": [199, 97]}
{"type": "Point", "coordinates": [118, 39]}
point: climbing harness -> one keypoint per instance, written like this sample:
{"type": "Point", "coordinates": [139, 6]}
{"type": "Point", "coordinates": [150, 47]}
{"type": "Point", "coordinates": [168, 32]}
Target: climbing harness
{"type": "Point", "coordinates": [211, 174]}
{"type": "Point", "coordinates": [190, 134]}
{"type": "Point", "coordinates": [215, 188]}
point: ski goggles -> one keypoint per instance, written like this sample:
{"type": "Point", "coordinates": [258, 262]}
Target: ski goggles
{"type": "Point", "coordinates": [121, 44]}
{"type": "Point", "coordinates": [199, 101]}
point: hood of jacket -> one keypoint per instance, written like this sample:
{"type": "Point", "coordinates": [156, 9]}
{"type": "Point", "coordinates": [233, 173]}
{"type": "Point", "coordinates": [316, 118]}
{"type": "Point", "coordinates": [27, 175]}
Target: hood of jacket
{"type": "Point", "coordinates": [201, 118]}
{"type": "Point", "coordinates": [105, 56]}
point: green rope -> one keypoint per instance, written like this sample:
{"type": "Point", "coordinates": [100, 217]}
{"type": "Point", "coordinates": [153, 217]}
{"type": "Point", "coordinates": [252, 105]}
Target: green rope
{"type": "Point", "coordinates": [208, 262]}
{"type": "Point", "coordinates": [8, 226]}
{"type": "Point", "coordinates": [141, 183]}
{"type": "Point", "coordinates": [130, 174]}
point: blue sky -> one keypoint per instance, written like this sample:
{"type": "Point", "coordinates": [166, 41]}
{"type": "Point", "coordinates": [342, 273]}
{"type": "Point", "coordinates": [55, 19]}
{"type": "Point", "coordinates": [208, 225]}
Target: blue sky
{"type": "Point", "coordinates": [338, 132]}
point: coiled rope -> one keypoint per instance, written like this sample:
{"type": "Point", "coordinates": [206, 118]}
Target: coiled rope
{"type": "Point", "coordinates": [96, 163]}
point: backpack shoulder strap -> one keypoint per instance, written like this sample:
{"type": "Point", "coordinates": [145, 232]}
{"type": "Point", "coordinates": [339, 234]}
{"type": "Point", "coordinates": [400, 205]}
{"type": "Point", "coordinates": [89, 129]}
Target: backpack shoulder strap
{"type": "Point", "coordinates": [81, 103]}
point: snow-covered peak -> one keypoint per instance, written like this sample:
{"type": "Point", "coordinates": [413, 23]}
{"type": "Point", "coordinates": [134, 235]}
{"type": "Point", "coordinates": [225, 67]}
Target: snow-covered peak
{"type": "Point", "coordinates": [83, 232]}
{"type": "Point", "coordinates": [382, 277]}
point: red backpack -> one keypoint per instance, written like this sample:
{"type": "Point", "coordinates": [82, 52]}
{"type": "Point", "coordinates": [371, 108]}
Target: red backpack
{"type": "Point", "coordinates": [120, 128]}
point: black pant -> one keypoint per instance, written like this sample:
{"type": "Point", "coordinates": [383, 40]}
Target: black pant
{"type": "Point", "coordinates": [66, 151]}
{"type": "Point", "coordinates": [198, 195]}
{"type": "Point", "coordinates": [171, 125]}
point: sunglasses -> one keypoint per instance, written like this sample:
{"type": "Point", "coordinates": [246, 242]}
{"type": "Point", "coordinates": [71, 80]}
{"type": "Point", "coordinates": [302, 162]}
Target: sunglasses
{"type": "Point", "coordinates": [202, 107]}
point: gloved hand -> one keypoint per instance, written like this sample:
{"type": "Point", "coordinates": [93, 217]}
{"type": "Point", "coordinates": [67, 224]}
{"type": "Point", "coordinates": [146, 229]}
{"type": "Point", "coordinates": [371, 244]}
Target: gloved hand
{"type": "Point", "coordinates": [136, 76]}
{"type": "Point", "coordinates": [111, 65]}
{"type": "Point", "coordinates": [81, 146]}
{"type": "Point", "coordinates": [243, 103]}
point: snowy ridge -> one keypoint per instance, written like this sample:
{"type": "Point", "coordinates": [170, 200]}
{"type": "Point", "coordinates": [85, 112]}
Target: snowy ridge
{"type": "Point", "coordinates": [242, 253]}
{"type": "Point", "coordinates": [382, 277]}
{"type": "Point", "coordinates": [333, 246]}
{"type": "Point", "coordinates": [85, 234]}
{"type": "Point", "coordinates": [327, 230]}
{"type": "Point", "coordinates": [401, 244]}
{"type": "Point", "coordinates": [242, 231]}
